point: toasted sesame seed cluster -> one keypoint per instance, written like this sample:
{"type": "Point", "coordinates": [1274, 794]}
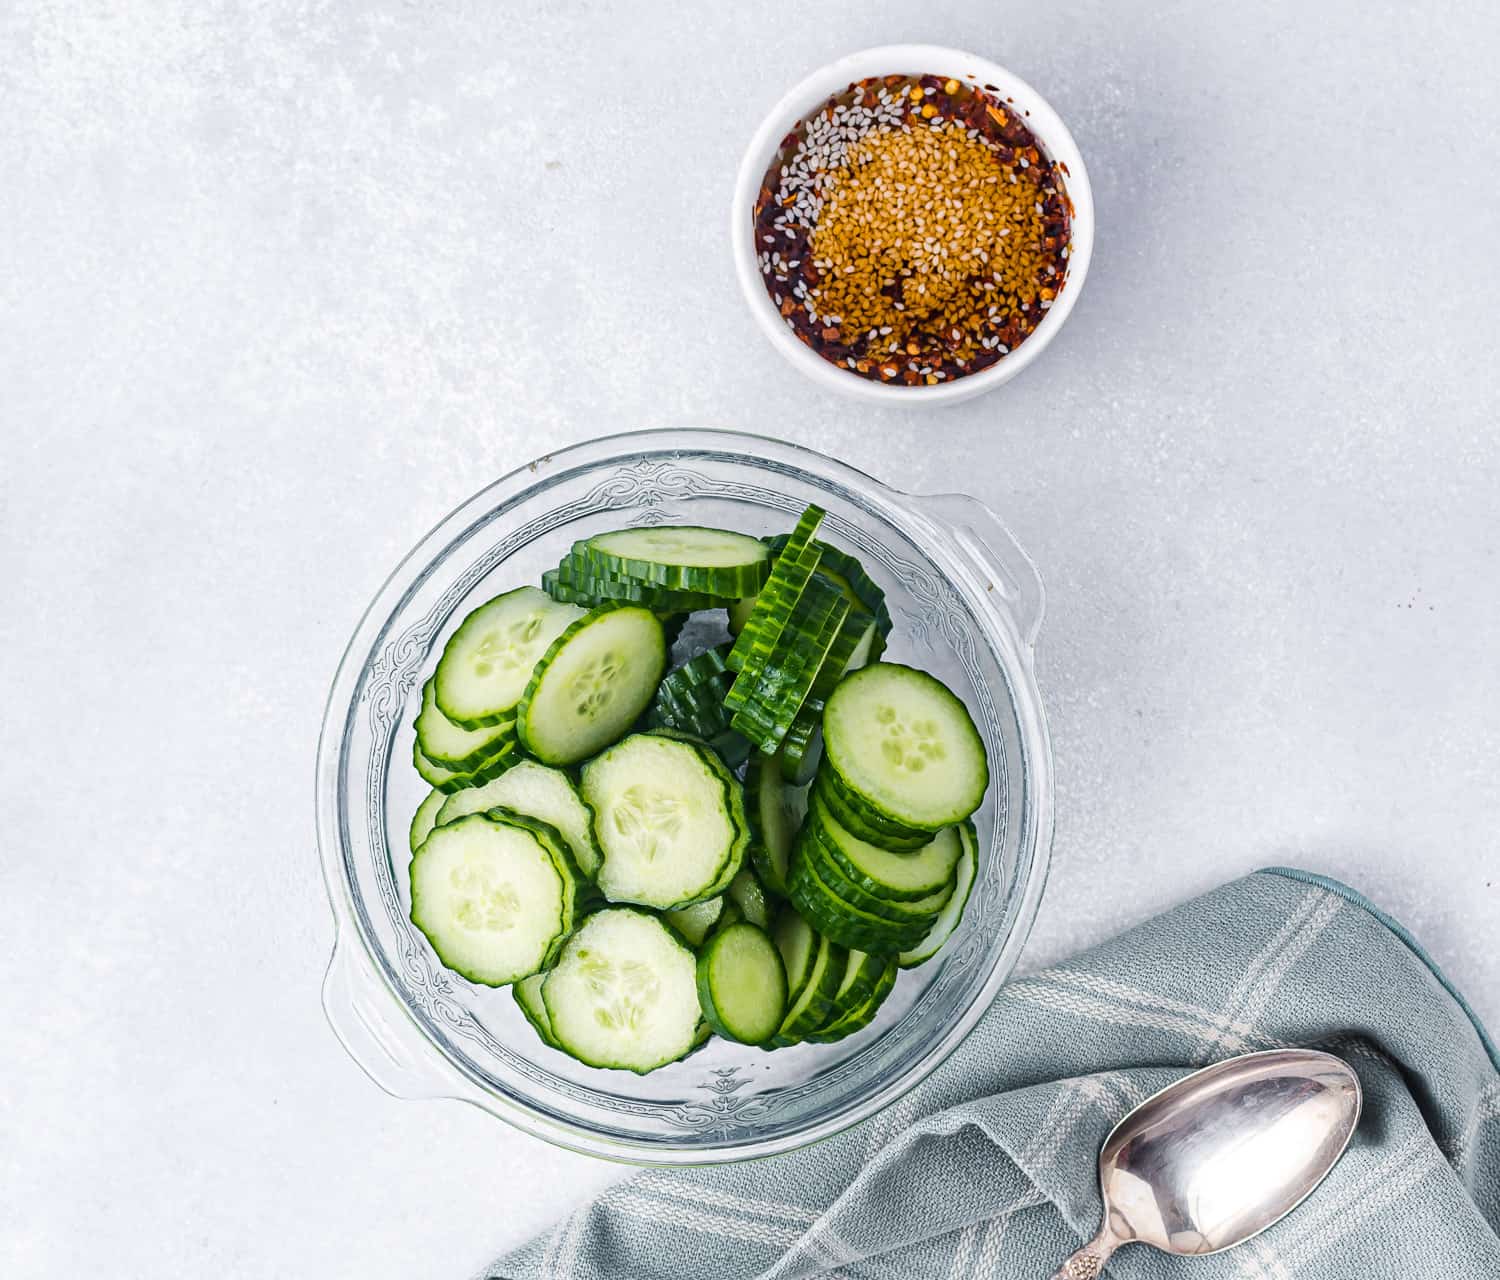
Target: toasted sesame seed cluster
{"type": "Point", "coordinates": [912, 230]}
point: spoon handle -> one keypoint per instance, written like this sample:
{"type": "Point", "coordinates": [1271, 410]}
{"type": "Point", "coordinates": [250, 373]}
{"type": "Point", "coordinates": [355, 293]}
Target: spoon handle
{"type": "Point", "coordinates": [1088, 1262]}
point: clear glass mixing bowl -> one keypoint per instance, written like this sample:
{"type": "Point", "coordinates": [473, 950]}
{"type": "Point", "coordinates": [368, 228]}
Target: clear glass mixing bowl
{"type": "Point", "coordinates": [967, 604]}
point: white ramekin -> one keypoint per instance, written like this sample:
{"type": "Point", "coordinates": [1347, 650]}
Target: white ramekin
{"type": "Point", "coordinates": [909, 59]}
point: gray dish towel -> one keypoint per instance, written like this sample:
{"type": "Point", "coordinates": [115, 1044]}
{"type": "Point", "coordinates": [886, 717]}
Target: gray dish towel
{"type": "Point", "coordinates": [988, 1169]}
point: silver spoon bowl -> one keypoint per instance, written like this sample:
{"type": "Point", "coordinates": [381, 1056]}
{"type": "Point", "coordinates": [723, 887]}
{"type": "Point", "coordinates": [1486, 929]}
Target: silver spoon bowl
{"type": "Point", "coordinates": [1220, 1155]}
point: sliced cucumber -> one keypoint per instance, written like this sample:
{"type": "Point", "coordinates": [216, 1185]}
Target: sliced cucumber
{"type": "Point", "coordinates": [831, 916]}
{"type": "Point", "coordinates": [667, 822]}
{"type": "Point", "coordinates": [592, 684]}
{"type": "Point", "coordinates": [952, 914]}
{"type": "Point", "coordinates": [624, 993]}
{"type": "Point", "coordinates": [576, 583]}
{"type": "Point", "coordinates": [487, 662]}
{"type": "Point", "coordinates": [775, 810]}
{"type": "Point", "coordinates": [540, 792]}
{"type": "Point", "coordinates": [492, 897]}
{"type": "Point", "coordinates": [507, 753]}
{"type": "Point", "coordinates": [808, 1009]}
{"type": "Point", "coordinates": [790, 576]}
{"type": "Point", "coordinates": [802, 748]}
{"type": "Point", "coordinates": [906, 746]}
{"type": "Point", "coordinates": [771, 688]}
{"type": "Point", "coordinates": [445, 744]}
{"type": "Point", "coordinates": [528, 995]}
{"type": "Point", "coordinates": [846, 572]}
{"type": "Point", "coordinates": [796, 941]}
{"type": "Point", "coordinates": [900, 877]}
{"type": "Point", "coordinates": [860, 1017]}
{"type": "Point", "coordinates": [694, 922]}
{"type": "Point", "coordinates": [425, 818]}
{"type": "Point", "coordinates": [682, 557]}
{"type": "Point", "coordinates": [916, 913]}
{"type": "Point", "coordinates": [739, 614]}
{"type": "Point", "coordinates": [861, 972]}
{"type": "Point", "coordinates": [746, 893]}
{"type": "Point", "coordinates": [742, 984]}
{"type": "Point", "coordinates": [862, 822]}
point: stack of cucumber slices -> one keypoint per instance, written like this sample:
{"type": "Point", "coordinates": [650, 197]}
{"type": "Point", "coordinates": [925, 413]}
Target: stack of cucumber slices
{"type": "Point", "coordinates": [752, 843]}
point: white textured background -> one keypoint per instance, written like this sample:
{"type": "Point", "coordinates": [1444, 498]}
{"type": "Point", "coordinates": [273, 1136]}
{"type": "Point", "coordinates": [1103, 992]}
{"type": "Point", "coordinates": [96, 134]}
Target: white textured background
{"type": "Point", "coordinates": [282, 283]}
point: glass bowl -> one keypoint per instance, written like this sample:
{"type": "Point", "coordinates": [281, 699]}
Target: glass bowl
{"type": "Point", "coordinates": [966, 602]}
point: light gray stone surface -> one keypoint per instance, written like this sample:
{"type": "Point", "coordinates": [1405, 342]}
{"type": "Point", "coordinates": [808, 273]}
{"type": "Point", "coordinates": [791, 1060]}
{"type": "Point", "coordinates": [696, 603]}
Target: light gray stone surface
{"type": "Point", "coordinates": [280, 284]}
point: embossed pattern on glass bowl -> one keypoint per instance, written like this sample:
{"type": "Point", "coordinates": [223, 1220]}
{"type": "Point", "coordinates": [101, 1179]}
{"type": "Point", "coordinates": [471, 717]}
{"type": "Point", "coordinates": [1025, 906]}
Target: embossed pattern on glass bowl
{"type": "Point", "coordinates": [966, 603]}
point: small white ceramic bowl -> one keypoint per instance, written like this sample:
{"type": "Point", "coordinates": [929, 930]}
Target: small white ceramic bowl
{"type": "Point", "coordinates": [909, 59]}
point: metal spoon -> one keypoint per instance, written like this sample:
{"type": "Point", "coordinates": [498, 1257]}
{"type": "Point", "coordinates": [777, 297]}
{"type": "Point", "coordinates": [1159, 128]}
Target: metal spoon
{"type": "Point", "coordinates": [1220, 1155]}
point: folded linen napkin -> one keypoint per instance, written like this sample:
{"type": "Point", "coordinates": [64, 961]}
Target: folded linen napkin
{"type": "Point", "coordinates": [988, 1168]}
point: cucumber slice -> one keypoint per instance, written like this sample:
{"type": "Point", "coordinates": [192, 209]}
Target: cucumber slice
{"type": "Point", "coordinates": [802, 748]}
{"type": "Point", "coordinates": [797, 943]}
{"type": "Point", "coordinates": [682, 557]}
{"type": "Point", "coordinates": [776, 811]}
{"type": "Point", "coordinates": [746, 893]}
{"type": "Point", "coordinates": [846, 572]}
{"type": "Point", "coordinates": [915, 913]}
{"type": "Point", "coordinates": [576, 583]}
{"type": "Point", "coordinates": [861, 1017]}
{"type": "Point", "coordinates": [861, 823]}
{"type": "Point", "coordinates": [742, 985]}
{"type": "Point", "coordinates": [491, 897]}
{"type": "Point", "coordinates": [861, 972]}
{"type": "Point", "coordinates": [900, 877]}
{"type": "Point", "coordinates": [425, 818]}
{"type": "Point", "coordinates": [538, 792]}
{"type": "Point", "coordinates": [624, 993]}
{"type": "Point", "coordinates": [667, 822]}
{"type": "Point", "coordinates": [487, 662]}
{"type": "Point", "coordinates": [445, 744]}
{"type": "Point", "coordinates": [808, 1009]}
{"type": "Point", "coordinates": [850, 652]}
{"type": "Point", "coordinates": [790, 576]}
{"type": "Point", "coordinates": [739, 614]}
{"type": "Point", "coordinates": [592, 684]}
{"type": "Point", "coordinates": [694, 922]}
{"type": "Point", "coordinates": [900, 741]}
{"type": "Point", "coordinates": [949, 918]}
{"type": "Point", "coordinates": [528, 995]}
{"type": "Point", "coordinates": [771, 688]}
{"type": "Point", "coordinates": [507, 753]}
{"type": "Point", "coordinates": [830, 915]}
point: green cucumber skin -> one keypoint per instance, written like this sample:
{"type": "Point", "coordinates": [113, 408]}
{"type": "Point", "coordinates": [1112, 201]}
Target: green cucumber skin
{"type": "Point", "coordinates": [931, 945]}
{"type": "Point", "coordinates": [802, 748]}
{"type": "Point", "coordinates": [860, 1018]}
{"type": "Point", "coordinates": [819, 821]}
{"type": "Point", "coordinates": [528, 733]}
{"type": "Point", "coordinates": [446, 781]}
{"type": "Point", "coordinates": [792, 571]}
{"type": "Point", "coordinates": [521, 995]}
{"type": "Point", "coordinates": [731, 582]}
{"type": "Point", "coordinates": [575, 583]}
{"type": "Point", "coordinates": [903, 913]}
{"type": "Point", "coordinates": [841, 922]}
{"type": "Point", "coordinates": [713, 1014]}
{"type": "Point", "coordinates": [848, 809]}
{"type": "Point", "coordinates": [853, 993]}
{"type": "Point", "coordinates": [770, 867]}
{"type": "Point", "coordinates": [811, 1006]}
{"type": "Point", "coordinates": [493, 736]}
{"type": "Point", "coordinates": [422, 821]}
{"type": "Point", "coordinates": [843, 566]}
{"type": "Point", "coordinates": [777, 687]}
